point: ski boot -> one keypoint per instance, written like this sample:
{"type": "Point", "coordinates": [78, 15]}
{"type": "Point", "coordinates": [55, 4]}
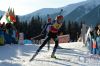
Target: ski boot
{"type": "Point", "coordinates": [53, 56]}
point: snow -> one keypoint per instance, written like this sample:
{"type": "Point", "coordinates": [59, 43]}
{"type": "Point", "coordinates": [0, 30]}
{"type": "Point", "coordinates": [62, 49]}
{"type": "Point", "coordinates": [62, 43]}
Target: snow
{"type": "Point", "coordinates": [73, 54]}
{"type": "Point", "coordinates": [96, 2]}
{"type": "Point", "coordinates": [3, 19]}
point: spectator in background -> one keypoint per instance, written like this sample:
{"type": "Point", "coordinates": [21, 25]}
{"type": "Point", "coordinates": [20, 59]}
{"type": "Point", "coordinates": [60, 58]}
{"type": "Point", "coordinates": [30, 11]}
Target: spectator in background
{"type": "Point", "coordinates": [9, 29]}
{"type": "Point", "coordinates": [83, 32]}
{"type": "Point", "coordinates": [98, 40]}
{"type": "Point", "coordinates": [98, 30]}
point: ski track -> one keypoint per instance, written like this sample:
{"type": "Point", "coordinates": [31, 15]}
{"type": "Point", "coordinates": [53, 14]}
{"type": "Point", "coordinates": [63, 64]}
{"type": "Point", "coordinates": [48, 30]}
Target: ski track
{"type": "Point", "coordinates": [73, 54]}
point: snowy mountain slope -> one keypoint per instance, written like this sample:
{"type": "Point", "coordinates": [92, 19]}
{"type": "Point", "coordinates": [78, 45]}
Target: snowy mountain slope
{"type": "Point", "coordinates": [95, 2]}
{"type": "Point", "coordinates": [82, 10]}
{"type": "Point", "coordinates": [93, 16]}
{"type": "Point", "coordinates": [73, 12]}
{"type": "Point", "coordinates": [43, 12]}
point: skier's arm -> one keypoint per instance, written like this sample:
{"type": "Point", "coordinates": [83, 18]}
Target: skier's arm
{"type": "Point", "coordinates": [44, 29]}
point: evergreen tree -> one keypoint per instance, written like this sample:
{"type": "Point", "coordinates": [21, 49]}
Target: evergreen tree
{"type": "Point", "coordinates": [63, 29]}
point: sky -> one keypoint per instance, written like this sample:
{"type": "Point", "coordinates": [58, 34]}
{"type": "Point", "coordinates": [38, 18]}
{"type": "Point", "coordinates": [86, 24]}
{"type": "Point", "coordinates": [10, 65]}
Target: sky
{"type": "Point", "coordinates": [23, 7]}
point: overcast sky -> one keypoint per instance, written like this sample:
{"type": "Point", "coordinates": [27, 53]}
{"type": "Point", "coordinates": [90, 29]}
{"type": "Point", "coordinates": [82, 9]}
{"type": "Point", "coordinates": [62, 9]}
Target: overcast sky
{"type": "Point", "coordinates": [23, 7]}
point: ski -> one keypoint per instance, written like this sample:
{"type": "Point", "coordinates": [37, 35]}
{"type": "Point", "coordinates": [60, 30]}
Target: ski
{"type": "Point", "coordinates": [32, 57]}
{"type": "Point", "coordinates": [61, 59]}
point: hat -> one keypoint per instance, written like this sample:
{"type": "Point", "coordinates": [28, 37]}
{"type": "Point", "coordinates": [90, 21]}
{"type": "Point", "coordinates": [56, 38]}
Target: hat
{"type": "Point", "coordinates": [59, 17]}
{"type": "Point", "coordinates": [49, 19]}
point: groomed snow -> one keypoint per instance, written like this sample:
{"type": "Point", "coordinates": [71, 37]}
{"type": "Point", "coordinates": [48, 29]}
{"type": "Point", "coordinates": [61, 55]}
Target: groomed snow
{"type": "Point", "coordinates": [73, 54]}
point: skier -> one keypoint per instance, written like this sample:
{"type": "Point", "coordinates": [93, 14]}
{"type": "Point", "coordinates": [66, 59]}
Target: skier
{"type": "Point", "coordinates": [45, 29]}
{"type": "Point", "coordinates": [52, 33]}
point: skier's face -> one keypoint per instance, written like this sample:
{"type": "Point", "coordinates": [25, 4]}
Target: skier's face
{"type": "Point", "coordinates": [49, 20]}
{"type": "Point", "coordinates": [60, 20]}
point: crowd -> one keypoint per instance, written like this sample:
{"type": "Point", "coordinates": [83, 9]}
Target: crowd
{"type": "Point", "coordinates": [93, 40]}
{"type": "Point", "coordinates": [8, 34]}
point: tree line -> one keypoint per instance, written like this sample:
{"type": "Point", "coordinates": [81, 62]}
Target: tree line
{"type": "Point", "coordinates": [33, 27]}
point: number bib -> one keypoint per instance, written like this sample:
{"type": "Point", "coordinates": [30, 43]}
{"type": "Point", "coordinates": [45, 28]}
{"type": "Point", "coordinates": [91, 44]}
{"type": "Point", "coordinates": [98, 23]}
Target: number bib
{"type": "Point", "coordinates": [56, 25]}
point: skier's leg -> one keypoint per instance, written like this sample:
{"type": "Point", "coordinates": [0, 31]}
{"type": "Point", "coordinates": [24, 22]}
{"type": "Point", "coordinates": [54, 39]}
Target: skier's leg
{"type": "Point", "coordinates": [55, 47]}
{"type": "Point", "coordinates": [45, 41]}
{"type": "Point", "coordinates": [43, 44]}
{"type": "Point", "coordinates": [48, 45]}
{"type": "Point", "coordinates": [58, 44]}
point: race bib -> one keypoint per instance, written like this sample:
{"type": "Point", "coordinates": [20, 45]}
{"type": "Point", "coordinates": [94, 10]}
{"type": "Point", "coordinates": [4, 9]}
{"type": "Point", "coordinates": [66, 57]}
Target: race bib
{"type": "Point", "coordinates": [56, 25]}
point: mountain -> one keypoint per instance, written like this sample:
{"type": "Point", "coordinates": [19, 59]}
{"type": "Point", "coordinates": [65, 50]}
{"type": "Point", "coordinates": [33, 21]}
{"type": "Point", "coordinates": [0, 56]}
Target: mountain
{"type": "Point", "coordinates": [74, 12]}
{"type": "Point", "coordinates": [41, 12]}
{"type": "Point", "coordinates": [78, 13]}
{"type": "Point", "coordinates": [82, 11]}
{"type": "Point", "coordinates": [93, 17]}
{"type": "Point", "coordinates": [52, 11]}
{"type": "Point", "coordinates": [1, 13]}
{"type": "Point", "coordinates": [95, 2]}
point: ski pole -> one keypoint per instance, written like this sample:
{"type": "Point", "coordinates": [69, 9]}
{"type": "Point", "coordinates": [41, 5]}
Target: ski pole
{"type": "Point", "coordinates": [37, 36]}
